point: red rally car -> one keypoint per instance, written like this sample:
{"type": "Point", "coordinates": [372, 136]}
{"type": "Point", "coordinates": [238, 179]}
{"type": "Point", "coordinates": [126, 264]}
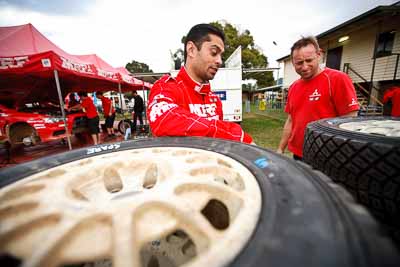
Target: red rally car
{"type": "Point", "coordinates": [36, 122]}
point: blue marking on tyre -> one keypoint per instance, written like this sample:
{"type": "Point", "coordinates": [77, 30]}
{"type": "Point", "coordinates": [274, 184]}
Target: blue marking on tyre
{"type": "Point", "coordinates": [261, 163]}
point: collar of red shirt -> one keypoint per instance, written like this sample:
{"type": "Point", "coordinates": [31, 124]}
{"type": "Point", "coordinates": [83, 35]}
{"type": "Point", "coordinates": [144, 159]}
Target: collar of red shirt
{"type": "Point", "coordinates": [202, 88]}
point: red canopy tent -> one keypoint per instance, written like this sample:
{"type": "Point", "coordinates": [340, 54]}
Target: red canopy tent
{"type": "Point", "coordinates": [30, 64]}
{"type": "Point", "coordinates": [117, 73]}
{"type": "Point", "coordinates": [26, 53]}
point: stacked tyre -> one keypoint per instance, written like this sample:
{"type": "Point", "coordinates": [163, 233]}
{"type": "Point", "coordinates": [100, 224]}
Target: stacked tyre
{"type": "Point", "coordinates": [363, 154]}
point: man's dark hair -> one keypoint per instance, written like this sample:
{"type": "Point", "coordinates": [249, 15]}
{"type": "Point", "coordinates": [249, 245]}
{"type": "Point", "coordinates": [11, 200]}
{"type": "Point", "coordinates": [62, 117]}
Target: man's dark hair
{"type": "Point", "coordinates": [199, 34]}
{"type": "Point", "coordinates": [304, 41]}
{"type": "Point", "coordinates": [99, 93]}
{"type": "Point", "coordinates": [81, 93]}
{"type": "Point", "coordinates": [134, 92]}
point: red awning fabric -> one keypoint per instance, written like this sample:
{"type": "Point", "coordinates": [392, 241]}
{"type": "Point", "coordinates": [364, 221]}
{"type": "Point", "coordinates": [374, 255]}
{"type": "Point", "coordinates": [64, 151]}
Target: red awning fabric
{"type": "Point", "coordinates": [121, 73]}
{"type": "Point", "coordinates": [126, 74]}
{"type": "Point", "coordinates": [123, 70]}
{"type": "Point", "coordinates": [28, 60]}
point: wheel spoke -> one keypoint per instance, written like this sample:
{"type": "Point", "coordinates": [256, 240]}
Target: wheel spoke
{"type": "Point", "coordinates": [44, 254]}
{"type": "Point", "coordinates": [124, 247]}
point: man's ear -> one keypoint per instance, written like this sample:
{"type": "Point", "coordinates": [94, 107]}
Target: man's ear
{"type": "Point", "coordinates": [191, 49]}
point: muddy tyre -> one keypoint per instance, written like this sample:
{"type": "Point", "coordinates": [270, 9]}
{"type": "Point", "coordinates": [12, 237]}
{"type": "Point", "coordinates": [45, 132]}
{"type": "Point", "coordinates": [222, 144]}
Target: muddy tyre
{"type": "Point", "coordinates": [363, 154]}
{"type": "Point", "coordinates": [173, 201]}
{"type": "Point", "coordinates": [124, 124]}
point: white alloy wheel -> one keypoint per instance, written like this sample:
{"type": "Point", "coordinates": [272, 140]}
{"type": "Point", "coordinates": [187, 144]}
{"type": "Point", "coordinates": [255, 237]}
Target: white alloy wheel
{"type": "Point", "coordinates": [377, 127]}
{"type": "Point", "coordinates": [167, 206]}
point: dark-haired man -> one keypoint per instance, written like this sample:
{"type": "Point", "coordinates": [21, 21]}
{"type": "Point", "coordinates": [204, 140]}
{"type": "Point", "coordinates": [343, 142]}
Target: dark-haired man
{"type": "Point", "coordinates": [319, 93]}
{"type": "Point", "coordinates": [185, 105]}
{"type": "Point", "coordinates": [138, 109]}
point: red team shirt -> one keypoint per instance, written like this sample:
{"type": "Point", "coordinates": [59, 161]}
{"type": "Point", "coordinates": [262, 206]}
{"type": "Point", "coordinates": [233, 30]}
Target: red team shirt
{"type": "Point", "coordinates": [90, 108]}
{"type": "Point", "coordinates": [330, 94]}
{"type": "Point", "coordinates": [394, 95]}
{"type": "Point", "coordinates": [106, 103]}
{"type": "Point", "coordinates": [182, 107]}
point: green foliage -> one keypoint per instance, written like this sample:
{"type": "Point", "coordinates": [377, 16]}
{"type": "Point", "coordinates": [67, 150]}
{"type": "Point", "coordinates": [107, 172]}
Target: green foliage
{"type": "Point", "coordinates": [137, 67]}
{"type": "Point", "coordinates": [252, 57]}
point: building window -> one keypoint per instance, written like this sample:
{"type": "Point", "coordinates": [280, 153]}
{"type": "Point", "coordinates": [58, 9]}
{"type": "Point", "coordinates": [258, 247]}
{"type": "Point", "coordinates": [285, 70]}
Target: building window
{"type": "Point", "coordinates": [385, 44]}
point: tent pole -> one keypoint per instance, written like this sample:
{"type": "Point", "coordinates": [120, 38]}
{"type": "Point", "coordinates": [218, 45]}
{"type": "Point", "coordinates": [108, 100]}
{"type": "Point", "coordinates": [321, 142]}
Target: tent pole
{"type": "Point", "coordinates": [62, 108]}
{"type": "Point", "coordinates": [144, 103]}
{"type": "Point", "coordinates": [120, 97]}
{"type": "Point", "coordinates": [120, 103]}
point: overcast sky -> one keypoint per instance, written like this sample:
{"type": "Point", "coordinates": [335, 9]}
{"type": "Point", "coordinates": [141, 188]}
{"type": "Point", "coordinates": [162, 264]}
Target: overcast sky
{"type": "Point", "coordinates": [146, 31]}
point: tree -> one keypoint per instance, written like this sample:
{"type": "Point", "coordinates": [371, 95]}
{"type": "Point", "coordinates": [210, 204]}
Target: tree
{"type": "Point", "coordinates": [137, 67]}
{"type": "Point", "coordinates": [252, 56]}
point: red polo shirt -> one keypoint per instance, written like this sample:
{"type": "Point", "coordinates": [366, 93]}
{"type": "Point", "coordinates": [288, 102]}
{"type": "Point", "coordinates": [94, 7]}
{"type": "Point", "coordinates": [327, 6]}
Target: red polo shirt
{"type": "Point", "coordinates": [90, 108]}
{"type": "Point", "coordinates": [394, 95]}
{"type": "Point", "coordinates": [330, 94]}
{"type": "Point", "coordinates": [107, 106]}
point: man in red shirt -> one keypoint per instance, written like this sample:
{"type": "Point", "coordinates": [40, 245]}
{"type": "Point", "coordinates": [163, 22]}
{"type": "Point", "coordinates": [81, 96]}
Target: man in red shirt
{"type": "Point", "coordinates": [109, 113]}
{"type": "Point", "coordinates": [319, 93]}
{"type": "Point", "coordinates": [185, 105]}
{"type": "Point", "coordinates": [91, 113]}
{"type": "Point", "coordinates": [393, 94]}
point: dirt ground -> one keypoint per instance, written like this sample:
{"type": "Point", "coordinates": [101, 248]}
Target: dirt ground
{"type": "Point", "coordinates": [23, 154]}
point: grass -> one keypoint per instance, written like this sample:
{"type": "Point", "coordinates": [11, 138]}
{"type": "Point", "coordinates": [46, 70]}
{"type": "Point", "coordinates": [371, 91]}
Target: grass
{"type": "Point", "coordinates": [265, 126]}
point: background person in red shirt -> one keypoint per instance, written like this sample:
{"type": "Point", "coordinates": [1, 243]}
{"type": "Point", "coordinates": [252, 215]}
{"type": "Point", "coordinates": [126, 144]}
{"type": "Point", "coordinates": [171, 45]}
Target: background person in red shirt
{"type": "Point", "coordinates": [319, 93]}
{"type": "Point", "coordinates": [393, 94]}
{"type": "Point", "coordinates": [185, 105]}
{"type": "Point", "coordinates": [91, 113]}
{"type": "Point", "coordinates": [109, 113]}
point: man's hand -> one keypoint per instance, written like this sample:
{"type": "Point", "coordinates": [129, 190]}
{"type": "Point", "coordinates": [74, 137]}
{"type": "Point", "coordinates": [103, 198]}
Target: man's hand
{"type": "Point", "coordinates": [280, 150]}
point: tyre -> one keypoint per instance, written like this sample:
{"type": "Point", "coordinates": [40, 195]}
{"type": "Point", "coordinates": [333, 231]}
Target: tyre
{"type": "Point", "coordinates": [124, 124]}
{"type": "Point", "coordinates": [364, 155]}
{"type": "Point", "coordinates": [175, 201]}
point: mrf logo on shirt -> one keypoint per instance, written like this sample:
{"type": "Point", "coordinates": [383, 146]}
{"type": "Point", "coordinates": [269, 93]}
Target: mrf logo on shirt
{"type": "Point", "coordinates": [314, 96]}
{"type": "Point", "coordinates": [204, 110]}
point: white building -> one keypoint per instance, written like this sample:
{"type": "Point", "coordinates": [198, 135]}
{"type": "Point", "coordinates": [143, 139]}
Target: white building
{"type": "Point", "coordinates": [367, 47]}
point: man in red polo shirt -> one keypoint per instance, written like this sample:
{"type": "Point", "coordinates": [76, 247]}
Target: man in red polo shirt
{"type": "Point", "coordinates": [393, 94]}
{"type": "Point", "coordinates": [91, 113]}
{"type": "Point", "coordinates": [109, 113]}
{"type": "Point", "coordinates": [319, 93]}
{"type": "Point", "coordinates": [185, 105]}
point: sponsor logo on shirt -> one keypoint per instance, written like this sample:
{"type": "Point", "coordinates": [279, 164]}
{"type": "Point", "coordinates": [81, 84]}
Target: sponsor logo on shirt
{"type": "Point", "coordinates": [203, 110]}
{"type": "Point", "coordinates": [158, 109]}
{"type": "Point", "coordinates": [314, 96]}
{"type": "Point", "coordinates": [353, 102]}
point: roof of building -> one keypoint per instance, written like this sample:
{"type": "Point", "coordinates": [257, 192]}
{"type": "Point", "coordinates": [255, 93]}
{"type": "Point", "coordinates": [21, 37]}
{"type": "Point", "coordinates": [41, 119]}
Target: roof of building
{"type": "Point", "coordinates": [377, 10]}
